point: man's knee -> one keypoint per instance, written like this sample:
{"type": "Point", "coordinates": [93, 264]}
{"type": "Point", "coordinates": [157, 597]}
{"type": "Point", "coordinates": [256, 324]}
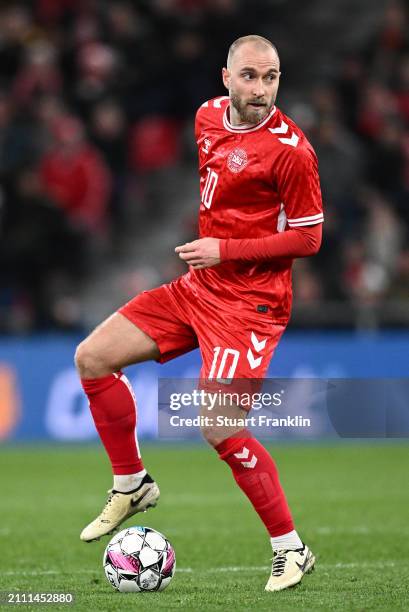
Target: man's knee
{"type": "Point", "coordinates": [211, 435]}
{"type": "Point", "coordinates": [222, 421]}
{"type": "Point", "coordinates": [89, 363]}
{"type": "Point", "coordinates": [215, 434]}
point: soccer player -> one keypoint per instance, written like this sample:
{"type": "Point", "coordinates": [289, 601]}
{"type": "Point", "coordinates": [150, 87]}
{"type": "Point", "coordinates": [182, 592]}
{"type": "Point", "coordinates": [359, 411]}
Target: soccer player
{"type": "Point", "coordinates": [260, 208]}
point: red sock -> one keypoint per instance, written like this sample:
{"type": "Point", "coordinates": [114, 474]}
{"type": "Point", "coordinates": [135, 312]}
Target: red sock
{"type": "Point", "coordinates": [113, 408]}
{"type": "Point", "coordinates": [256, 474]}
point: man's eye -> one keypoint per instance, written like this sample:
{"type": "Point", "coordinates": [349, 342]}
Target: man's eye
{"type": "Point", "coordinates": [247, 76]}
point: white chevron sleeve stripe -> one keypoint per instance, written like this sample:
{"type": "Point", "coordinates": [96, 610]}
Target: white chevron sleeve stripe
{"type": "Point", "coordinates": [310, 218]}
{"type": "Point", "coordinates": [306, 223]}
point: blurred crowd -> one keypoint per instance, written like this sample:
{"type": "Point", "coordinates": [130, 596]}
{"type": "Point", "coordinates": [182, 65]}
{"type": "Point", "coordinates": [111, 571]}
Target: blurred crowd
{"type": "Point", "coordinates": [97, 98]}
{"type": "Point", "coordinates": [358, 122]}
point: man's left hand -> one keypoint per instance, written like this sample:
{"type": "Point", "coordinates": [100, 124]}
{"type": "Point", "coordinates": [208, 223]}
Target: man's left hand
{"type": "Point", "coordinates": [202, 253]}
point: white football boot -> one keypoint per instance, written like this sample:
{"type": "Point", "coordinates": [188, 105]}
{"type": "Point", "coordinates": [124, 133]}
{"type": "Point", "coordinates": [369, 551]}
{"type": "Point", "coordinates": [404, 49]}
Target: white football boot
{"type": "Point", "coordinates": [289, 567]}
{"type": "Point", "coordinates": [119, 507]}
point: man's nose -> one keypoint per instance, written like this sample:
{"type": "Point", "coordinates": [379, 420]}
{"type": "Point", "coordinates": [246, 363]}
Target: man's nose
{"type": "Point", "coordinates": [258, 88]}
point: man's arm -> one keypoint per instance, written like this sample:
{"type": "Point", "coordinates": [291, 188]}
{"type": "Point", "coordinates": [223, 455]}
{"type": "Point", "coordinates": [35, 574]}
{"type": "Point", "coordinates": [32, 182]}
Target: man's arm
{"type": "Point", "coordinates": [297, 242]}
{"type": "Point", "coordinates": [208, 252]}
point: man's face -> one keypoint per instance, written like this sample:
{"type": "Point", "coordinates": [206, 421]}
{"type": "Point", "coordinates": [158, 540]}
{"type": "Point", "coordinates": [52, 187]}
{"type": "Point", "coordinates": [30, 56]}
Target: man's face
{"type": "Point", "coordinates": [252, 80]}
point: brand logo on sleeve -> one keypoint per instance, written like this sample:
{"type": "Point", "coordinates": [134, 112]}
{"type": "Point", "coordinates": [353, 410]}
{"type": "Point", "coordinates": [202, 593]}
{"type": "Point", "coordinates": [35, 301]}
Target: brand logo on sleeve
{"type": "Point", "coordinates": [206, 145]}
{"type": "Point", "coordinates": [237, 160]}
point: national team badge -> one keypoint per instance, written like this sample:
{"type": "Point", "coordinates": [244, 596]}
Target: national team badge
{"type": "Point", "coordinates": [237, 160]}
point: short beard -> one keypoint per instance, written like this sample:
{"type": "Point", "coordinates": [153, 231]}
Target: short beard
{"type": "Point", "coordinates": [245, 113]}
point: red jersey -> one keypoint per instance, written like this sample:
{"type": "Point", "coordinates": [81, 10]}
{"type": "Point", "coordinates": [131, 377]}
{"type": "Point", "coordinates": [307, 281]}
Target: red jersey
{"type": "Point", "coordinates": [254, 181]}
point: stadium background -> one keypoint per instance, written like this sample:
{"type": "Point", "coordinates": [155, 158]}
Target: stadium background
{"type": "Point", "coordinates": [99, 183]}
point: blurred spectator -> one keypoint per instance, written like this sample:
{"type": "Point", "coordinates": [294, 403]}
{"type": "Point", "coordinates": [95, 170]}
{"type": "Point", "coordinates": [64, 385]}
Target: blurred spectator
{"type": "Point", "coordinates": [376, 105]}
{"type": "Point", "coordinates": [109, 134]}
{"type": "Point", "coordinates": [98, 76]}
{"type": "Point", "coordinates": [17, 143]}
{"type": "Point", "coordinates": [386, 158]}
{"type": "Point", "coordinates": [391, 37]}
{"type": "Point", "coordinates": [340, 161]}
{"type": "Point", "coordinates": [402, 87]}
{"type": "Point", "coordinates": [155, 143]}
{"type": "Point", "coordinates": [40, 247]}
{"type": "Point", "coordinates": [17, 29]}
{"type": "Point", "coordinates": [154, 152]}
{"type": "Point", "coordinates": [38, 75]}
{"type": "Point", "coordinates": [383, 234]}
{"type": "Point", "coordinates": [76, 178]}
{"type": "Point", "coordinates": [370, 264]}
{"type": "Point", "coordinates": [307, 286]}
{"type": "Point", "coordinates": [399, 288]}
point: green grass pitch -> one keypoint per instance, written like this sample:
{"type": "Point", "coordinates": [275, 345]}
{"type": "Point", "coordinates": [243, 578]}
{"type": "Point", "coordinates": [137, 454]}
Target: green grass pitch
{"type": "Point", "coordinates": [350, 504]}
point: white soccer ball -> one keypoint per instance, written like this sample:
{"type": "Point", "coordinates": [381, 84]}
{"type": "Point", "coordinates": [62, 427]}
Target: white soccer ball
{"type": "Point", "coordinates": [139, 559]}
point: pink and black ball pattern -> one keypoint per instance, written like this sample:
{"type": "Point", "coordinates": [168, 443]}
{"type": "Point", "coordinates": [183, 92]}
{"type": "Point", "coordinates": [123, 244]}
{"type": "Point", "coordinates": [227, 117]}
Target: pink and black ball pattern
{"type": "Point", "coordinates": [139, 559]}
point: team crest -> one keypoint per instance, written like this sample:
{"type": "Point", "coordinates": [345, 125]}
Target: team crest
{"type": "Point", "coordinates": [237, 160]}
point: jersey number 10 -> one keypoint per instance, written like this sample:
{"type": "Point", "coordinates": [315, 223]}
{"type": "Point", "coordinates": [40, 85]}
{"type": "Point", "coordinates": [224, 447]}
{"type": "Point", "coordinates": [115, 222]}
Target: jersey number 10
{"type": "Point", "coordinates": [210, 186]}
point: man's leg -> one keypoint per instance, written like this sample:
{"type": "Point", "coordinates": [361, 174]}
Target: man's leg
{"type": "Point", "coordinates": [112, 345]}
{"type": "Point", "coordinates": [254, 471]}
{"type": "Point", "coordinates": [153, 325]}
{"type": "Point", "coordinates": [256, 474]}
{"type": "Point", "coordinates": [240, 349]}
{"type": "Point", "coordinates": [241, 352]}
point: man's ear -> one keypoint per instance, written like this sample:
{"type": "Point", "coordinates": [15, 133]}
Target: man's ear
{"type": "Point", "coordinates": [226, 78]}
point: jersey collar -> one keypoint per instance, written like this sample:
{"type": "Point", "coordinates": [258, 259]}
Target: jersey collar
{"type": "Point", "coordinates": [243, 129]}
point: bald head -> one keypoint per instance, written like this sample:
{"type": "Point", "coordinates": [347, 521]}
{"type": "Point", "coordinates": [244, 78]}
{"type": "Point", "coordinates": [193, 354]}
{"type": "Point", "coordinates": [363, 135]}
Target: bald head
{"type": "Point", "coordinates": [258, 42]}
{"type": "Point", "coordinates": [252, 77]}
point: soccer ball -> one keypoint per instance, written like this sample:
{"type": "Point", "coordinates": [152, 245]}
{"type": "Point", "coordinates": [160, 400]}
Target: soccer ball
{"type": "Point", "coordinates": [139, 559]}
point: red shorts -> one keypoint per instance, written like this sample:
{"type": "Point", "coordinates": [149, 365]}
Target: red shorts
{"type": "Point", "coordinates": [232, 345]}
